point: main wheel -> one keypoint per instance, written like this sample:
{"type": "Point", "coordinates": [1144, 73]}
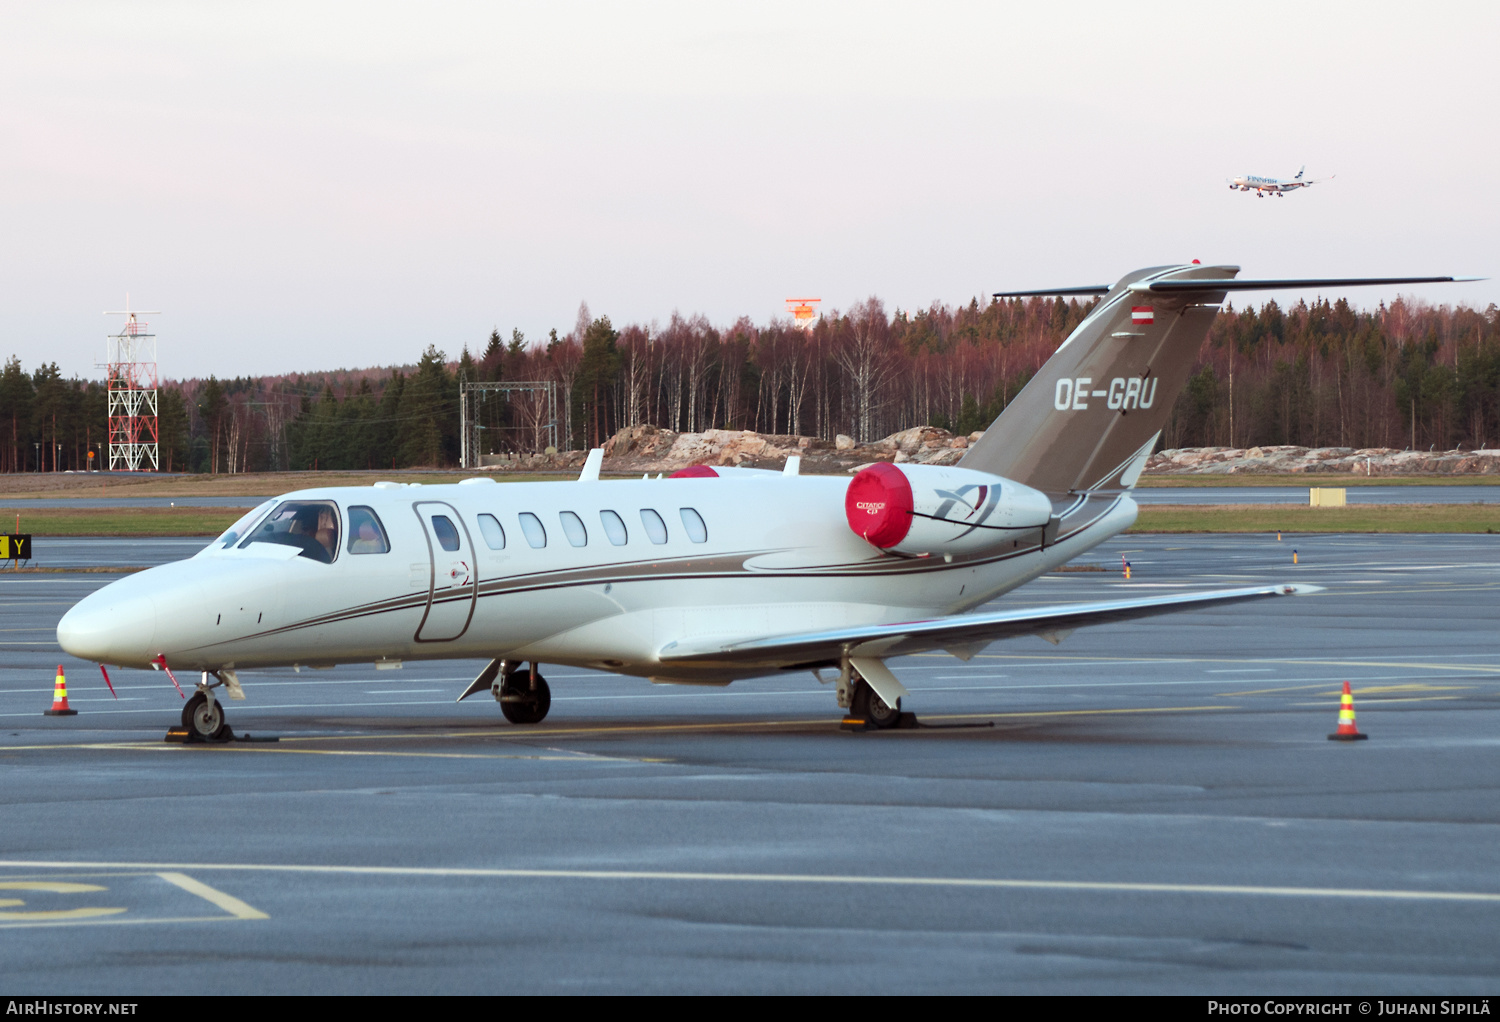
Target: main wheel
{"type": "Point", "coordinates": [520, 703]}
{"type": "Point", "coordinates": [867, 704]}
{"type": "Point", "coordinates": [204, 718]}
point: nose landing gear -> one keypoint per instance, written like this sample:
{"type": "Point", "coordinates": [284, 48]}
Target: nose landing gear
{"type": "Point", "coordinates": [523, 695]}
{"type": "Point", "coordinates": [203, 715]}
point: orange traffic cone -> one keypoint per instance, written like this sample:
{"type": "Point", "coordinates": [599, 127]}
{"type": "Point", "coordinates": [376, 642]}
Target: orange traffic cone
{"type": "Point", "coordinates": [1347, 732]}
{"type": "Point", "coordinates": [60, 707]}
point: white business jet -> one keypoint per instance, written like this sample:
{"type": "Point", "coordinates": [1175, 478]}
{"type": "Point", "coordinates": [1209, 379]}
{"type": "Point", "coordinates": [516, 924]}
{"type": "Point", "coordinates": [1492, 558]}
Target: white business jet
{"type": "Point", "coordinates": [707, 577]}
{"type": "Point", "coordinates": [1263, 186]}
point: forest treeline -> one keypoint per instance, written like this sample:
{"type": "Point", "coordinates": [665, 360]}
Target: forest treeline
{"type": "Point", "coordinates": [1319, 375]}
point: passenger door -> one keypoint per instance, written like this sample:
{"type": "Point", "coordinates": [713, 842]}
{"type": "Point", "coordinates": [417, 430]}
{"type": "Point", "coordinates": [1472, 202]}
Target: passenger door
{"type": "Point", "coordinates": [454, 581]}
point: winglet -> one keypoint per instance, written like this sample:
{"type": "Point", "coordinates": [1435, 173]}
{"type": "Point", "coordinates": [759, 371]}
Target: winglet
{"type": "Point", "coordinates": [590, 473]}
{"type": "Point", "coordinates": [793, 465]}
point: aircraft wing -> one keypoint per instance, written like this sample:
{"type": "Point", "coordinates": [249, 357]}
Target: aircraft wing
{"type": "Point", "coordinates": [960, 633]}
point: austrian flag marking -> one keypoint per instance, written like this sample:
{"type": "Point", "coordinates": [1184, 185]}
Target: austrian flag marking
{"type": "Point", "coordinates": [1141, 315]}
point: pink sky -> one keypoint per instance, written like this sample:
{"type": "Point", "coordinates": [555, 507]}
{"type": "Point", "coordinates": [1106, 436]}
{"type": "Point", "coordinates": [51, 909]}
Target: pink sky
{"type": "Point", "coordinates": [306, 187]}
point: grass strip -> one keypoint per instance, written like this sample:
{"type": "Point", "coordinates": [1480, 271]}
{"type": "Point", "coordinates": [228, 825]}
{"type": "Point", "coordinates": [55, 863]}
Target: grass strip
{"type": "Point", "coordinates": [1300, 518]}
{"type": "Point", "coordinates": [124, 522]}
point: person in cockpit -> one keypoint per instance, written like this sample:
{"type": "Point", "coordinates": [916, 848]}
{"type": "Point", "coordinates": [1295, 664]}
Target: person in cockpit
{"type": "Point", "coordinates": [313, 530]}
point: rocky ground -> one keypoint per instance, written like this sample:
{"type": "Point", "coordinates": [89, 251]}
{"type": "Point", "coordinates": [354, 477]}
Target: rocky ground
{"type": "Point", "coordinates": [1371, 461]}
{"type": "Point", "coordinates": [650, 449]}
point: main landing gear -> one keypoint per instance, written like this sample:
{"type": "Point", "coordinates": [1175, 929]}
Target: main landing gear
{"type": "Point", "coordinates": [868, 706]}
{"type": "Point", "coordinates": [523, 695]}
{"type": "Point", "coordinates": [869, 709]}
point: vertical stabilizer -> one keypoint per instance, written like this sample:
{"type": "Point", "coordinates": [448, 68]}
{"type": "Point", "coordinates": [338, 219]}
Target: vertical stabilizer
{"type": "Point", "coordinates": [1090, 416]}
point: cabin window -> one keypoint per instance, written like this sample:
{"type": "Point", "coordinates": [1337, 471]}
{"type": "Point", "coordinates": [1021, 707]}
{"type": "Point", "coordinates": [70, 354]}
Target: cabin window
{"type": "Point", "coordinates": [614, 528]}
{"type": "Point", "coordinates": [494, 536]}
{"type": "Point", "coordinates": [692, 521]}
{"type": "Point", "coordinates": [573, 528]}
{"type": "Point", "coordinates": [447, 535]}
{"type": "Point", "coordinates": [366, 534]}
{"type": "Point", "coordinates": [531, 527]}
{"type": "Point", "coordinates": [656, 529]}
{"type": "Point", "coordinates": [311, 525]}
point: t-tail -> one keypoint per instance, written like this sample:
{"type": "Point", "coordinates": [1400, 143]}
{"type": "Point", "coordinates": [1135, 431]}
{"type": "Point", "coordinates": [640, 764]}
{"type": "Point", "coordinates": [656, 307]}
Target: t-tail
{"type": "Point", "coordinates": [1088, 420]}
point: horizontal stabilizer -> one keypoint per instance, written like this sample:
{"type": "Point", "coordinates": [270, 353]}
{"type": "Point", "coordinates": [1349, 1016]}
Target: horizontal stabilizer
{"type": "Point", "coordinates": [906, 637]}
{"type": "Point", "coordinates": [1180, 286]}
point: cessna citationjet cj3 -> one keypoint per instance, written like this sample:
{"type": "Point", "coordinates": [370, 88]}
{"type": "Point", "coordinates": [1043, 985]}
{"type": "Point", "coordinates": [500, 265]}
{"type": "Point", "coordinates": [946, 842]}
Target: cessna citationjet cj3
{"type": "Point", "coordinates": [707, 577]}
{"type": "Point", "coordinates": [1263, 186]}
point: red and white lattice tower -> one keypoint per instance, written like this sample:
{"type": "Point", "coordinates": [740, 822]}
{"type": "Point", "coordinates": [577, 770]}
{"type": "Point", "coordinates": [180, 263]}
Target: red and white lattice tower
{"type": "Point", "coordinates": [131, 364]}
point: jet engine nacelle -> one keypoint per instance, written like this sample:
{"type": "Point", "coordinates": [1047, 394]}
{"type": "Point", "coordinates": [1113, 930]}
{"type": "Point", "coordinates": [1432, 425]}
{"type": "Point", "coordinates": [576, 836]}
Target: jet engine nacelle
{"type": "Point", "coordinates": [932, 509]}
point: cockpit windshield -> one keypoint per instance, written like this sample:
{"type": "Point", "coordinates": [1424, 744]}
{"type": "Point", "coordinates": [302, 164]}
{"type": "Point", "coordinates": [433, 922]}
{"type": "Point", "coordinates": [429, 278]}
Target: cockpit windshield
{"type": "Point", "coordinates": [237, 531]}
{"type": "Point", "coordinates": [311, 525]}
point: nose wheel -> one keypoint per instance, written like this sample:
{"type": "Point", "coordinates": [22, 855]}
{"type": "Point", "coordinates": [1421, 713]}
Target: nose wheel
{"type": "Point", "coordinates": [523, 696]}
{"type": "Point", "coordinates": [203, 715]}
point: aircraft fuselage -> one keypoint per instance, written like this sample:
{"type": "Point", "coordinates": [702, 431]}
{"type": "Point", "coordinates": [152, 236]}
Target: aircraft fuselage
{"type": "Point", "coordinates": [623, 569]}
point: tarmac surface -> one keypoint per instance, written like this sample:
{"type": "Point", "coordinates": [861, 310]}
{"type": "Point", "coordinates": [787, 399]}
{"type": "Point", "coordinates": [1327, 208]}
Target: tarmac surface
{"type": "Point", "coordinates": [1156, 808]}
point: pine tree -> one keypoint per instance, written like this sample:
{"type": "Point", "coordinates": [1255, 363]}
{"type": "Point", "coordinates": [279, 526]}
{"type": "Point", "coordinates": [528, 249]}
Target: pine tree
{"type": "Point", "coordinates": [16, 398]}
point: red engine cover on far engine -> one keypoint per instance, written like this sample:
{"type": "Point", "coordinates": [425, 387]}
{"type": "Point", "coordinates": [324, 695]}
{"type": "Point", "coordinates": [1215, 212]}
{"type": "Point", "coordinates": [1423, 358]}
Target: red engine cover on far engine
{"type": "Point", "coordinates": [878, 504]}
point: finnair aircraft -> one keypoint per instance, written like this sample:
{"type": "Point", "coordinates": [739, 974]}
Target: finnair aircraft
{"type": "Point", "coordinates": [1263, 186]}
{"type": "Point", "coordinates": [710, 576]}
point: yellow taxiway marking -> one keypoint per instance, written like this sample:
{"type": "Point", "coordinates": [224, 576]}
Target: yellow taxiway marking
{"type": "Point", "coordinates": [579, 758]}
{"type": "Point", "coordinates": [227, 902]}
{"type": "Point", "coordinates": [1073, 713]}
{"type": "Point", "coordinates": [89, 916]}
{"type": "Point", "coordinates": [1275, 662]}
{"type": "Point", "coordinates": [49, 887]}
{"type": "Point", "coordinates": [1398, 699]}
{"type": "Point", "coordinates": [1355, 690]}
{"type": "Point", "coordinates": [829, 879]}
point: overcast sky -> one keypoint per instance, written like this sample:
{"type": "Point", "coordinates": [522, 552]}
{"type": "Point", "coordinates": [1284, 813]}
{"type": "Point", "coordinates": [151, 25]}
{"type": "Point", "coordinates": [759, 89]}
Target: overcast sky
{"type": "Point", "coordinates": [307, 186]}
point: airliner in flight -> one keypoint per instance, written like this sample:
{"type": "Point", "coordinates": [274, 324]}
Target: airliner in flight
{"type": "Point", "coordinates": [708, 577]}
{"type": "Point", "coordinates": [1263, 186]}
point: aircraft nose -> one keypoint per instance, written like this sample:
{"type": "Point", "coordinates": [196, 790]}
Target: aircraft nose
{"type": "Point", "coordinates": [110, 626]}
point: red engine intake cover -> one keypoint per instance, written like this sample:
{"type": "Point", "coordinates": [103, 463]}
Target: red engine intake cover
{"type": "Point", "coordinates": [878, 504]}
{"type": "Point", "coordinates": [694, 472]}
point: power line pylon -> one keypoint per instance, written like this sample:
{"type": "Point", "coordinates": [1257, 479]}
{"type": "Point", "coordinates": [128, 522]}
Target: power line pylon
{"type": "Point", "coordinates": [130, 360]}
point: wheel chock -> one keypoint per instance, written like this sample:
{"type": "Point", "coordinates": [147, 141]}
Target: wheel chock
{"type": "Point", "coordinates": [905, 722]}
{"type": "Point", "coordinates": [187, 736]}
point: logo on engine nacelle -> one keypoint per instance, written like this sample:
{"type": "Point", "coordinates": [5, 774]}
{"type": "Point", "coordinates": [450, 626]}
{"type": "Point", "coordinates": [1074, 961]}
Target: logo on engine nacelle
{"type": "Point", "coordinates": [958, 498]}
{"type": "Point", "coordinates": [1124, 393]}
